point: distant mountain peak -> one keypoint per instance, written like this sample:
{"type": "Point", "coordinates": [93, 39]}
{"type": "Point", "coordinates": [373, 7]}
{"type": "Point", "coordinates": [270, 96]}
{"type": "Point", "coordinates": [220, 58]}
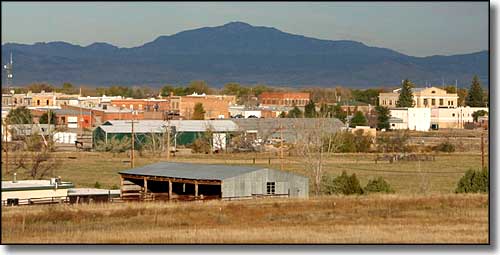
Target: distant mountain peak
{"type": "Point", "coordinates": [237, 24]}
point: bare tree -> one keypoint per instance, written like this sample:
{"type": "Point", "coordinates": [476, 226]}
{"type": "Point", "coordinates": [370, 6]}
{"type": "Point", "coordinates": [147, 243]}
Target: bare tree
{"type": "Point", "coordinates": [315, 141]}
{"type": "Point", "coordinates": [37, 158]}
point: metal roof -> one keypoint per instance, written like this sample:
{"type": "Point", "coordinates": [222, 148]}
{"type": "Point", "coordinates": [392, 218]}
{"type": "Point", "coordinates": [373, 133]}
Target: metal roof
{"type": "Point", "coordinates": [395, 120]}
{"type": "Point", "coordinates": [148, 126]}
{"type": "Point", "coordinates": [191, 171]}
{"type": "Point", "coordinates": [32, 185]}
{"type": "Point", "coordinates": [291, 126]}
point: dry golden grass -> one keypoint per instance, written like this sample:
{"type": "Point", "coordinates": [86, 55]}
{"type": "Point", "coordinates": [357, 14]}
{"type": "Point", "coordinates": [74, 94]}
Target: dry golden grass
{"type": "Point", "coordinates": [441, 175]}
{"type": "Point", "coordinates": [344, 219]}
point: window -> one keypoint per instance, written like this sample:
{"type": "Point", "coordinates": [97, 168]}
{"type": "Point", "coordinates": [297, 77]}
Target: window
{"type": "Point", "coordinates": [452, 115]}
{"type": "Point", "coordinates": [433, 102]}
{"type": "Point", "coordinates": [433, 92]}
{"type": "Point", "coordinates": [37, 102]}
{"type": "Point", "coordinates": [425, 101]}
{"type": "Point", "coordinates": [451, 102]}
{"type": "Point", "coordinates": [271, 188]}
{"type": "Point", "coordinates": [441, 101]}
{"type": "Point", "coordinates": [47, 102]}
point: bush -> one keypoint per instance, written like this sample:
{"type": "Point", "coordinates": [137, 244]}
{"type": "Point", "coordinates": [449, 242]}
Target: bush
{"type": "Point", "coordinates": [343, 184]}
{"type": "Point", "coordinates": [201, 145]}
{"type": "Point", "coordinates": [473, 182]}
{"type": "Point", "coordinates": [97, 185]}
{"type": "Point", "coordinates": [445, 147]}
{"type": "Point", "coordinates": [378, 185]}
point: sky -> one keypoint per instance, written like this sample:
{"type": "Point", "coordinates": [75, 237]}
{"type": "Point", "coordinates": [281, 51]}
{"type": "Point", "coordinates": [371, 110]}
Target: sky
{"type": "Point", "coordinates": [412, 28]}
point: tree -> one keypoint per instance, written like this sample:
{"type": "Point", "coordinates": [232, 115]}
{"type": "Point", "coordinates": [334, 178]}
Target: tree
{"type": "Point", "coordinates": [369, 96]}
{"type": "Point", "coordinates": [68, 88]}
{"type": "Point", "coordinates": [479, 113]}
{"type": "Point", "coordinates": [199, 87]}
{"type": "Point", "coordinates": [282, 115]}
{"type": "Point", "coordinates": [199, 112]}
{"type": "Point", "coordinates": [339, 113]}
{"type": "Point", "coordinates": [475, 96]}
{"type": "Point", "coordinates": [295, 113]}
{"type": "Point", "coordinates": [383, 115]}
{"type": "Point", "coordinates": [358, 120]}
{"type": "Point", "coordinates": [406, 95]}
{"type": "Point", "coordinates": [44, 118]}
{"type": "Point", "coordinates": [20, 115]}
{"type": "Point", "coordinates": [165, 90]}
{"type": "Point", "coordinates": [310, 109]}
{"type": "Point", "coordinates": [462, 96]}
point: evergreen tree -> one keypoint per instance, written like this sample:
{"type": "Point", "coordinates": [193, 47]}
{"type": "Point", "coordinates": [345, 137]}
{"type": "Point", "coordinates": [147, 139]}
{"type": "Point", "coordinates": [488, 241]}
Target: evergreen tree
{"type": "Point", "coordinates": [358, 120]}
{"type": "Point", "coordinates": [20, 115]}
{"type": "Point", "coordinates": [310, 110]}
{"type": "Point", "coordinates": [199, 112]}
{"type": "Point", "coordinates": [295, 113]}
{"type": "Point", "coordinates": [45, 116]}
{"type": "Point", "coordinates": [339, 114]}
{"type": "Point", "coordinates": [383, 116]}
{"type": "Point", "coordinates": [405, 95]}
{"type": "Point", "coordinates": [475, 96]}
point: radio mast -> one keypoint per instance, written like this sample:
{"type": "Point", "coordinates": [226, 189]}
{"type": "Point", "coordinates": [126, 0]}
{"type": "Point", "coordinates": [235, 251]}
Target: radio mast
{"type": "Point", "coordinates": [9, 72]}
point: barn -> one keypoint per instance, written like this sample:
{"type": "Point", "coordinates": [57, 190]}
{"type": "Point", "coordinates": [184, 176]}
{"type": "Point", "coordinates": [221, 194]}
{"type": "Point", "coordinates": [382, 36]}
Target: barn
{"type": "Point", "coordinates": [184, 132]}
{"type": "Point", "coordinates": [186, 181]}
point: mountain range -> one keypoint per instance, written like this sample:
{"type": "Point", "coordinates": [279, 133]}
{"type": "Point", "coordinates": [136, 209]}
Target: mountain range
{"type": "Point", "coordinates": [237, 52]}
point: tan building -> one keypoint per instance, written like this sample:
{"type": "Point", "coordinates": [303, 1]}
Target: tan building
{"type": "Point", "coordinates": [215, 106]}
{"type": "Point", "coordinates": [422, 98]}
{"type": "Point", "coordinates": [453, 117]}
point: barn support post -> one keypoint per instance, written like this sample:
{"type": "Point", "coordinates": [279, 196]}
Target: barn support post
{"type": "Point", "coordinates": [121, 186]}
{"type": "Point", "coordinates": [195, 189]}
{"type": "Point", "coordinates": [145, 185]}
{"type": "Point", "coordinates": [169, 189]}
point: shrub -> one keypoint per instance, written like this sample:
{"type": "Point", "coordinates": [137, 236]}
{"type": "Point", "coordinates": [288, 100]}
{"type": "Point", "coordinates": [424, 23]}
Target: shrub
{"type": "Point", "coordinates": [473, 182]}
{"type": "Point", "coordinates": [343, 184]}
{"type": "Point", "coordinates": [444, 147]}
{"type": "Point", "coordinates": [97, 185]}
{"type": "Point", "coordinates": [201, 145]}
{"type": "Point", "coordinates": [378, 185]}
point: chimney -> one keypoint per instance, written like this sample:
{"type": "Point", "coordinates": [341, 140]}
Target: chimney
{"type": "Point", "coordinates": [14, 179]}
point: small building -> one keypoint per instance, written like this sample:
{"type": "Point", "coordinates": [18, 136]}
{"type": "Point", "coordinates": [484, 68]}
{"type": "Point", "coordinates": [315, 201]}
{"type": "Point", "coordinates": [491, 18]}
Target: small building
{"type": "Point", "coordinates": [202, 181]}
{"type": "Point", "coordinates": [418, 119]}
{"type": "Point", "coordinates": [34, 191]}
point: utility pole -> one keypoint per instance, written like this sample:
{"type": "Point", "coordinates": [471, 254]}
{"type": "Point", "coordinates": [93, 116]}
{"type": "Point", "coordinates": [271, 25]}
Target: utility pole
{"type": "Point", "coordinates": [482, 149]}
{"type": "Point", "coordinates": [168, 141]}
{"type": "Point", "coordinates": [132, 148]}
{"type": "Point", "coordinates": [281, 146]}
{"type": "Point", "coordinates": [6, 148]}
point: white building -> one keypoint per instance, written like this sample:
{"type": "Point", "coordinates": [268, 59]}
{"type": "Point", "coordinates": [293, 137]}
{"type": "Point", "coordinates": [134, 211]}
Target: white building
{"type": "Point", "coordinates": [418, 119]}
{"type": "Point", "coordinates": [244, 112]}
{"type": "Point", "coordinates": [32, 191]}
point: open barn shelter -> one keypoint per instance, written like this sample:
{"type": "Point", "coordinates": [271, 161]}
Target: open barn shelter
{"type": "Point", "coordinates": [188, 181]}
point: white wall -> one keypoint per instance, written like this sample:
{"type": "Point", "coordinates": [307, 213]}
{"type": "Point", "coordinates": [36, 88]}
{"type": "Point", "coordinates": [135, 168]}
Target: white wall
{"type": "Point", "coordinates": [419, 119]}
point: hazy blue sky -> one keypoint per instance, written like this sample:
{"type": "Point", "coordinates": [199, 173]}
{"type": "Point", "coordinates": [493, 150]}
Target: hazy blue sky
{"type": "Point", "coordinates": [419, 29]}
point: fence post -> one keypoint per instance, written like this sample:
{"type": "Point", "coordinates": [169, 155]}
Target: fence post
{"type": "Point", "coordinates": [254, 160]}
{"type": "Point", "coordinates": [269, 161]}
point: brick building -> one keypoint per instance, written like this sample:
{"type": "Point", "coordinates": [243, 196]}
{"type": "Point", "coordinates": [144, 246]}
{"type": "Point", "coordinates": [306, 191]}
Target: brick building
{"type": "Point", "coordinates": [147, 105]}
{"type": "Point", "coordinates": [215, 106]}
{"type": "Point", "coordinates": [284, 98]}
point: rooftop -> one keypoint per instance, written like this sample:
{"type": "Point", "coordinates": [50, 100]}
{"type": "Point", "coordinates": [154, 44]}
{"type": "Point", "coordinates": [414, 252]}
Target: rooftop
{"type": "Point", "coordinates": [191, 171]}
{"type": "Point", "coordinates": [32, 185]}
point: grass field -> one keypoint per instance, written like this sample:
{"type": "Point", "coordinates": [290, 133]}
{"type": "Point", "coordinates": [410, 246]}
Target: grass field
{"type": "Point", "coordinates": [354, 219]}
{"type": "Point", "coordinates": [439, 176]}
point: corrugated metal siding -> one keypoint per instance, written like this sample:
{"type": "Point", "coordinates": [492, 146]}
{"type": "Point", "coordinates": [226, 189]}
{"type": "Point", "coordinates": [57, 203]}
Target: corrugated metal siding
{"type": "Point", "coordinates": [255, 183]}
